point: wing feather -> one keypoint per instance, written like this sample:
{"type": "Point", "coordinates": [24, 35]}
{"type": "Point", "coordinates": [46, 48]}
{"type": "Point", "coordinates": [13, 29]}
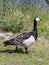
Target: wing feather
{"type": "Point", "coordinates": [23, 36]}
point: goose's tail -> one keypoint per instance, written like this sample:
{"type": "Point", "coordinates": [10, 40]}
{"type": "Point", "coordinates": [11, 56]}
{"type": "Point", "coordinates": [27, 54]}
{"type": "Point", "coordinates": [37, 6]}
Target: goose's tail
{"type": "Point", "coordinates": [6, 43]}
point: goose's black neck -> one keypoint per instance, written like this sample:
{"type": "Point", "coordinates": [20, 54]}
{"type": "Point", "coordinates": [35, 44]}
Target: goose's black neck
{"type": "Point", "coordinates": [35, 24]}
{"type": "Point", "coordinates": [35, 32]}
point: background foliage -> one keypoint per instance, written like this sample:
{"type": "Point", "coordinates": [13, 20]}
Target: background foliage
{"type": "Point", "coordinates": [18, 15]}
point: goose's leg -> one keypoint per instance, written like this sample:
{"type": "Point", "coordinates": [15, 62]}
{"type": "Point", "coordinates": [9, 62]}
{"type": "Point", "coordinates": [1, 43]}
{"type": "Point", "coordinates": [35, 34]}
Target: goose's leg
{"type": "Point", "coordinates": [26, 49]}
{"type": "Point", "coordinates": [16, 49]}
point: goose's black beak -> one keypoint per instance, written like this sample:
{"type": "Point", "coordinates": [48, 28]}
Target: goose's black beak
{"type": "Point", "coordinates": [40, 19]}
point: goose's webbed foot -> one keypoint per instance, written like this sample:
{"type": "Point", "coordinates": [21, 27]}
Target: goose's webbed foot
{"type": "Point", "coordinates": [26, 50]}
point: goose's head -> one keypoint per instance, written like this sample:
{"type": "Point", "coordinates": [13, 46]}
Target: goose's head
{"type": "Point", "coordinates": [37, 19]}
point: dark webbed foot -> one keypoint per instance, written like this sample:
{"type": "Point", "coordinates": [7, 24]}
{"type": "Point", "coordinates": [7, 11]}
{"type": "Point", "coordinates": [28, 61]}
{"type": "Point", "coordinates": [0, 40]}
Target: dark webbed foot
{"type": "Point", "coordinates": [26, 50]}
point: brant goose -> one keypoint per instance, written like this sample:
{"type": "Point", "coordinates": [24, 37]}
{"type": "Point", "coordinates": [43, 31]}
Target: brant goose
{"type": "Point", "coordinates": [26, 38]}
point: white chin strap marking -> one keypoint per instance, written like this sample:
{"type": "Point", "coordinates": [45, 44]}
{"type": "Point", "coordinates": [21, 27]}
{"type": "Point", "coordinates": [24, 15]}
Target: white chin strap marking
{"type": "Point", "coordinates": [37, 19]}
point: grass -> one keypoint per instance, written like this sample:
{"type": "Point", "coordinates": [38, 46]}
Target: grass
{"type": "Point", "coordinates": [24, 22]}
{"type": "Point", "coordinates": [38, 54]}
{"type": "Point", "coordinates": [1, 6]}
{"type": "Point", "coordinates": [17, 19]}
{"type": "Point", "coordinates": [1, 38]}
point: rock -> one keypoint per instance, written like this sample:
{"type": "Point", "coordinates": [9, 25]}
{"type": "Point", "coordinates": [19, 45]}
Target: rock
{"type": "Point", "coordinates": [40, 59]}
{"type": "Point", "coordinates": [7, 35]}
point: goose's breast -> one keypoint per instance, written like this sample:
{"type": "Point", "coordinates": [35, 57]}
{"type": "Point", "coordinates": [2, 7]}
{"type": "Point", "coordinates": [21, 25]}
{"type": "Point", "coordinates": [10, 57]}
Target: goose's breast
{"type": "Point", "coordinates": [29, 41]}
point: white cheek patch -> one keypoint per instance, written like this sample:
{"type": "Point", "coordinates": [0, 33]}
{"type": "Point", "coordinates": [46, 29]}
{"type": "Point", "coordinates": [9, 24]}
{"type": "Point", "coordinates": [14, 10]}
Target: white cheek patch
{"type": "Point", "coordinates": [29, 41]}
{"type": "Point", "coordinates": [37, 19]}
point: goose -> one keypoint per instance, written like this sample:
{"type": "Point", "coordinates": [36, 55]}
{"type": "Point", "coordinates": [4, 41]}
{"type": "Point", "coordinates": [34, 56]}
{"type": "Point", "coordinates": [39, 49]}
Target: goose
{"type": "Point", "coordinates": [25, 39]}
